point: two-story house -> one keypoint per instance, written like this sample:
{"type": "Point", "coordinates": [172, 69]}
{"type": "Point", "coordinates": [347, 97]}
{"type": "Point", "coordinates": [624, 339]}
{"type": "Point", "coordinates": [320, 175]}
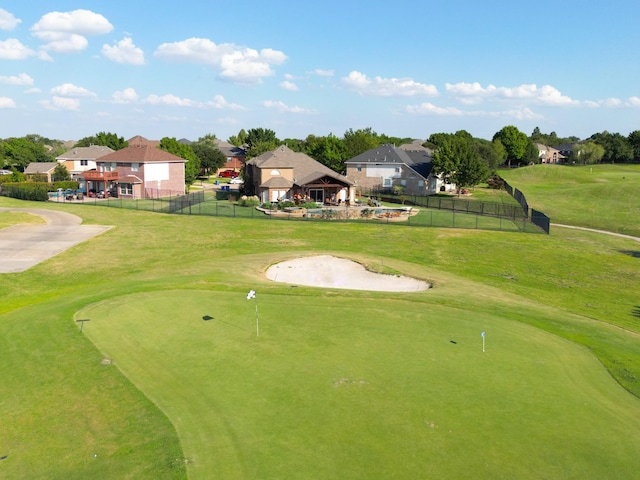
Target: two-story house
{"type": "Point", "coordinates": [387, 166]}
{"type": "Point", "coordinates": [81, 159]}
{"type": "Point", "coordinates": [285, 174]}
{"type": "Point", "coordinates": [141, 170]}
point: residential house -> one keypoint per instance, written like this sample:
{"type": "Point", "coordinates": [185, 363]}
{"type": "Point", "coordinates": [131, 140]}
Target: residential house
{"type": "Point", "coordinates": [285, 174]}
{"type": "Point", "coordinates": [81, 159]}
{"type": "Point", "coordinates": [549, 154]}
{"type": "Point", "coordinates": [235, 156]}
{"type": "Point", "coordinates": [408, 166]}
{"type": "Point", "coordinates": [40, 170]}
{"type": "Point", "coordinates": [141, 170]}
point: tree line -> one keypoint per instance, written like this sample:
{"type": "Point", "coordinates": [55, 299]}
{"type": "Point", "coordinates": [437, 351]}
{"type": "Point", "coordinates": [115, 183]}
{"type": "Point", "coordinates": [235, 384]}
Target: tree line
{"type": "Point", "coordinates": [459, 157]}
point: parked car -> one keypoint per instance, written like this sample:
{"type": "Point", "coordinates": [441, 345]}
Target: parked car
{"type": "Point", "coordinates": [236, 180]}
{"type": "Point", "coordinates": [228, 174]}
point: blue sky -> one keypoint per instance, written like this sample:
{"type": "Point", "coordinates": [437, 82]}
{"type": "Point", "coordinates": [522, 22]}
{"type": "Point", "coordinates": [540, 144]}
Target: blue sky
{"type": "Point", "coordinates": [70, 69]}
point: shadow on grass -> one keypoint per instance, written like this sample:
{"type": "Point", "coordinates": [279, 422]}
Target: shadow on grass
{"type": "Point", "coordinates": [636, 311]}
{"type": "Point", "coordinates": [631, 253]}
{"type": "Point", "coordinates": [207, 318]}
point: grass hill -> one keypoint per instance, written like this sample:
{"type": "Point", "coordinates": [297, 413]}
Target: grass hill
{"type": "Point", "coordinates": [604, 197]}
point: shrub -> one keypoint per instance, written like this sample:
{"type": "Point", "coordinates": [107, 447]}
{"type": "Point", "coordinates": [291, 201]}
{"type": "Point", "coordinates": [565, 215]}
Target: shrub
{"type": "Point", "coordinates": [251, 201]}
{"type": "Point", "coordinates": [285, 204]}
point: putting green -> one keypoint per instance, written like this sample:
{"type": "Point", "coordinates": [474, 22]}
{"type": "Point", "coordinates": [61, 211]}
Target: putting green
{"type": "Point", "coordinates": [379, 387]}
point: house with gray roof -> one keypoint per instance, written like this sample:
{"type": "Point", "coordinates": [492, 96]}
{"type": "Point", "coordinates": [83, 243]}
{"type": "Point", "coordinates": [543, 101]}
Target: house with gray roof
{"type": "Point", "coordinates": [409, 166]}
{"type": "Point", "coordinates": [285, 174]}
{"type": "Point", "coordinates": [40, 170]}
{"type": "Point", "coordinates": [235, 156]}
{"type": "Point", "coordinates": [81, 159]}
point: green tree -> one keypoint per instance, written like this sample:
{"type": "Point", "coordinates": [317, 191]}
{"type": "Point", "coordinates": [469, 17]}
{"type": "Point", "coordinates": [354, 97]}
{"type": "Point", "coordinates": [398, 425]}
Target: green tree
{"type": "Point", "coordinates": [60, 173]}
{"type": "Point", "coordinates": [192, 167]}
{"type": "Point", "coordinates": [104, 139]}
{"type": "Point", "coordinates": [359, 141]}
{"type": "Point", "coordinates": [238, 140]}
{"type": "Point", "coordinates": [20, 152]}
{"type": "Point", "coordinates": [457, 159]}
{"type": "Point", "coordinates": [491, 153]}
{"type": "Point", "coordinates": [589, 153]}
{"type": "Point", "coordinates": [330, 151]}
{"type": "Point", "coordinates": [617, 148]}
{"type": "Point", "coordinates": [210, 157]}
{"type": "Point", "coordinates": [515, 143]}
{"type": "Point", "coordinates": [634, 141]}
{"type": "Point", "coordinates": [259, 141]}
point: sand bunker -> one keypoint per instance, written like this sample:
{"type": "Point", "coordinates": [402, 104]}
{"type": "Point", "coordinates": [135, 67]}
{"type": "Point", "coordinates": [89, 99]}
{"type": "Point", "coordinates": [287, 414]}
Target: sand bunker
{"type": "Point", "coordinates": [332, 272]}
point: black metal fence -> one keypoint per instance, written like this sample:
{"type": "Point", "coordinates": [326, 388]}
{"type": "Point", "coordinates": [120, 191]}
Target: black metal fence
{"type": "Point", "coordinates": [440, 212]}
{"type": "Point", "coordinates": [537, 217]}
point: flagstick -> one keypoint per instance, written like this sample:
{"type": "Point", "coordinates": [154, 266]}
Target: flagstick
{"type": "Point", "coordinates": [257, 324]}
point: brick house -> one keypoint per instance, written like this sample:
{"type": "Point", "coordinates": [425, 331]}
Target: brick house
{"type": "Point", "coordinates": [141, 170]}
{"type": "Point", "coordinates": [285, 174]}
{"type": "Point", "coordinates": [235, 156]}
{"type": "Point", "coordinates": [408, 166]}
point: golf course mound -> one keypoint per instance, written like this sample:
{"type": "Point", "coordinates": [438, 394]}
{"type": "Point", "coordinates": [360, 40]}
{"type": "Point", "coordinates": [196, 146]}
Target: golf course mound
{"type": "Point", "coordinates": [327, 271]}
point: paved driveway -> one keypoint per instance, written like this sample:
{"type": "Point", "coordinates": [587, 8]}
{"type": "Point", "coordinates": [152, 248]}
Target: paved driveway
{"type": "Point", "coordinates": [23, 246]}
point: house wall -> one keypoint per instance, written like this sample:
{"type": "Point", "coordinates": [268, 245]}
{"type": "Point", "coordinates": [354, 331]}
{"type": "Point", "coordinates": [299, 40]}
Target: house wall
{"type": "Point", "coordinates": [268, 173]}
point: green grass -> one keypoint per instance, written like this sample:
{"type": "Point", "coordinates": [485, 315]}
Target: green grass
{"type": "Point", "coordinates": [605, 197]}
{"type": "Point", "coordinates": [18, 218]}
{"type": "Point", "coordinates": [340, 384]}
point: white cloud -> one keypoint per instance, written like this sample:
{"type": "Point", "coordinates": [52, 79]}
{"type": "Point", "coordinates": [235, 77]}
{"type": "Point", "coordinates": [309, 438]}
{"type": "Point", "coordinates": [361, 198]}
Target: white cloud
{"type": "Point", "coordinates": [7, 20]}
{"type": "Point", "coordinates": [323, 73]}
{"type": "Point", "coordinates": [13, 49]}
{"type": "Point", "coordinates": [61, 103]}
{"type": "Point", "coordinates": [169, 99]}
{"type": "Point", "coordinates": [427, 108]}
{"type": "Point", "coordinates": [65, 32]}
{"type": "Point", "coordinates": [69, 90]}
{"type": "Point", "coordinates": [430, 108]}
{"type": "Point", "coordinates": [386, 87]}
{"type": "Point", "coordinates": [128, 95]}
{"type": "Point", "coordinates": [241, 65]}
{"type": "Point", "coordinates": [633, 102]}
{"type": "Point", "coordinates": [31, 91]}
{"type": "Point", "coordinates": [6, 102]}
{"type": "Point", "coordinates": [124, 52]}
{"type": "Point", "coordinates": [221, 103]}
{"type": "Point", "coordinates": [473, 93]}
{"type": "Point", "coordinates": [287, 85]}
{"type": "Point", "coordinates": [21, 79]}
{"type": "Point", "coordinates": [284, 108]}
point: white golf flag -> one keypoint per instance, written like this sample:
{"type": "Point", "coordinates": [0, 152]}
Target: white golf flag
{"type": "Point", "coordinates": [251, 294]}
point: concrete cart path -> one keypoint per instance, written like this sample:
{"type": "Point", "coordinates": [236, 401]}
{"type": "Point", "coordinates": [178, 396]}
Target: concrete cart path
{"type": "Point", "coordinates": [23, 246]}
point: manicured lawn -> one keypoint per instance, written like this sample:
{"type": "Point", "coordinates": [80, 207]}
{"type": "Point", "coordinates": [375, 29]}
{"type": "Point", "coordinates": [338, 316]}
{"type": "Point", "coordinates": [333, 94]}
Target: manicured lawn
{"type": "Point", "coordinates": [359, 386]}
{"type": "Point", "coordinates": [605, 197]}
{"type": "Point", "coordinates": [342, 384]}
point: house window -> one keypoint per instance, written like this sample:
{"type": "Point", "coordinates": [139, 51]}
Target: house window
{"type": "Point", "coordinates": [403, 183]}
{"type": "Point", "coordinates": [359, 168]}
{"type": "Point", "coordinates": [126, 189]}
{"type": "Point", "coordinates": [386, 182]}
{"type": "Point", "coordinates": [135, 167]}
{"type": "Point", "coordinates": [84, 163]}
{"type": "Point", "coordinates": [275, 173]}
{"type": "Point", "coordinates": [397, 169]}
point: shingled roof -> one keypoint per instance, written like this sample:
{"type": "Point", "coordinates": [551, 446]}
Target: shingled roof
{"type": "Point", "coordinates": [306, 168]}
{"type": "Point", "coordinates": [141, 153]}
{"type": "Point", "coordinates": [85, 153]}
{"type": "Point", "coordinates": [414, 156]}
